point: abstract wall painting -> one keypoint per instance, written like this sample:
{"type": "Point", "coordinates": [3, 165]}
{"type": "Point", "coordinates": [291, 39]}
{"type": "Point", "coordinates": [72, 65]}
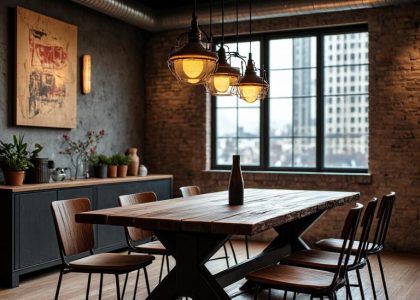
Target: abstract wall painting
{"type": "Point", "coordinates": [46, 71]}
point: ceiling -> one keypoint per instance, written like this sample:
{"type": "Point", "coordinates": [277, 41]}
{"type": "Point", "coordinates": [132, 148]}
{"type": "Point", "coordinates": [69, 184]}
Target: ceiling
{"type": "Point", "coordinates": [169, 5]}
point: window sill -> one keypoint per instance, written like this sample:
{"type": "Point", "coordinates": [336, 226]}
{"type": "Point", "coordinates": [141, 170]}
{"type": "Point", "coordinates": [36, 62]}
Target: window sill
{"type": "Point", "coordinates": [359, 178]}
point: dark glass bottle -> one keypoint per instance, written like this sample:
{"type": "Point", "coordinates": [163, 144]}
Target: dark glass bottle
{"type": "Point", "coordinates": [236, 182]}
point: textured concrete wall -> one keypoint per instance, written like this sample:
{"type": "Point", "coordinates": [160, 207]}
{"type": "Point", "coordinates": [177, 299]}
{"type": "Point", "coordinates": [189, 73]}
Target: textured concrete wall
{"type": "Point", "coordinates": [117, 100]}
{"type": "Point", "coordinates": [177, 137]}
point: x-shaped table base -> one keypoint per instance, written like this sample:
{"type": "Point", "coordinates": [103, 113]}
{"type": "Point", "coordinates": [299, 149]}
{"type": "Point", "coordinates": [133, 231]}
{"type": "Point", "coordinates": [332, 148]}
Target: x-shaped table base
{"type": "Point", "coordinates": [192, 250]}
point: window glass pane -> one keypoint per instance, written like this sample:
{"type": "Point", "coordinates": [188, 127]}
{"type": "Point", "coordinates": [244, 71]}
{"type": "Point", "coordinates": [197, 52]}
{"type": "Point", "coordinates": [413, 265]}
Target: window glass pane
{"type": "Point", "coordinates": [281, 152]}
{"type": "Point", "coordinates": [226, 122]}
{"type": "Point", "coordinates": [350, 151]}
{"type": "Point", "coordinates": [249, 150]}
{"type": "Point", "coordinates": [346, 80]}
{"type": "Point", "coordinates": [293, 83]}
{"type": "Point", "coordinates": [281, 112]}
{"type": "Point", "coordinates": [304, 154]}
{"type": "Point", "coordinates": [346, 49]}
{"type": "Point", "coordinates": [249, 122]}
{"type": "Point", "coordinates": [225, 149]}
{"type": "Point", "coordinates": [226, 101]}
{"type": "Point", "coordinates": [293, 53]}
{"type": "Point", "coordinates": [238, 123]}
{"type": "Point", "coordinates": [304, 113]}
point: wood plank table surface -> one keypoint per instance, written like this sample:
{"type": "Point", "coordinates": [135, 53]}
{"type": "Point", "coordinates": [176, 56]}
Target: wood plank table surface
{"type": "Point", "coordinates": [194, 228]}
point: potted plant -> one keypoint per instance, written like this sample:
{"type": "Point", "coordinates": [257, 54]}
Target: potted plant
{"type": "Point", "coordinates": [122, 161]}
{"type": "Point", "coordinates": [15, 159]}
{"type": "Point", "coordinates": [113, 166]}
{"type": "Point", "coordinates": [100, 165]}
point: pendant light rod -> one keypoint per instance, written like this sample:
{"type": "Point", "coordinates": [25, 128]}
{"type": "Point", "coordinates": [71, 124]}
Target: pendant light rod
{"type": "Point", "coordinates": [211, 21]}
{"type": "Point", "coordinates": [250, 28]}
{"type": "Point", "coordinates": [223, 24]}
{"type": "Point", "coordinates": [237, 27]}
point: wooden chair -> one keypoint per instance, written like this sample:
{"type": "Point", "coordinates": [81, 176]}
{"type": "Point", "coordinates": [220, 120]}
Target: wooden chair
{"type": "Point", "coordinates": [377, 245]}
{"type": "Point", "coordinates": [77, 239]}
{"type": "Point", "coordinates": [317, 283]}
{"type": "Point", "coordinates": [328, 261]}
{"type": "Point", "coordinates": [134, 234]}
{"type": "Point", "coordinates": [194, 190]}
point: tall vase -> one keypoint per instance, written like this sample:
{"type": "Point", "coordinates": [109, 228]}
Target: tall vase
{"type": "Point", "coordinates": [236, 182]}
{"type": "Point", "coordinates": [133, 167]}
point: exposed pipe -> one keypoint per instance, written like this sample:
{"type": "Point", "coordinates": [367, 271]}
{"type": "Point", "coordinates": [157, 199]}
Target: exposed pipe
{"type": "Point", "coordinates": [150, 20]}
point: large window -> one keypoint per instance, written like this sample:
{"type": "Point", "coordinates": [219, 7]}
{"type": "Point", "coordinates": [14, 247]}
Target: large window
{"type": "Point", "coordinates": [315, 117]}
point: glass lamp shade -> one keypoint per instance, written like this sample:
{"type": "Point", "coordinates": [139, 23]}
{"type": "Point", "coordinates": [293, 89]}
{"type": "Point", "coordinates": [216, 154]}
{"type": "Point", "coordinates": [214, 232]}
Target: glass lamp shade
{"type": "Point", "coordinates": [192, 63]}
{"type": "Point", "coordinates": [252, 87]}
{"type": "Point", "coordinates": [224, 80]}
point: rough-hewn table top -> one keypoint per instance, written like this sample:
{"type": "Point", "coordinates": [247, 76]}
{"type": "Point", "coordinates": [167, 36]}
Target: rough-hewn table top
{"type": "Point", "coordinates": [262, 209]}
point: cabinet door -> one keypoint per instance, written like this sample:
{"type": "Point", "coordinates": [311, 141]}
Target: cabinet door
{"type": "Point", "coordinates": [72, 193]}
{"type": "Point", "coordinates": [36, 240]}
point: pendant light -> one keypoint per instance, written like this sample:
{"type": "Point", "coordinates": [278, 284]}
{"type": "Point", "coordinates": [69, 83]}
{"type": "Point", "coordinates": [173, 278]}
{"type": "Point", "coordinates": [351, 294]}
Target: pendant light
{"type": "Point", "coordinates": [252, 87]}
{"type": "Point", "coordinates": [225, 78]}
{"type": "Point", "coordinates": [193, 62]}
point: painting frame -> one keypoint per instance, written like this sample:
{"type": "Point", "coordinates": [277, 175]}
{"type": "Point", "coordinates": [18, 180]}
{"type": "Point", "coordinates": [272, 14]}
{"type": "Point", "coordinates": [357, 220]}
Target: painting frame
{"type": "Point", "coordinates": [46, 71]}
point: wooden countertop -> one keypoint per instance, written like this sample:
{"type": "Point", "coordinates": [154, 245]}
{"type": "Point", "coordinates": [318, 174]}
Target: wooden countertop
{"type": "Point", "coordinates": [79, 183]}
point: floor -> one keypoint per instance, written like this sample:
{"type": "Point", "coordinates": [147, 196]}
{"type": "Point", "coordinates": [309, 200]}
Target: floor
{"type": "Point", "coordinates": [402, 270]}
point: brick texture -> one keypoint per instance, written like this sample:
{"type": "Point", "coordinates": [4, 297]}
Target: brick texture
{"type": "Point", "coordinates": [178, 130]}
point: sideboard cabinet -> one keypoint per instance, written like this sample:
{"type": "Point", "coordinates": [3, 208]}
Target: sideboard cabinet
{"type": "Point", "coordinates": [28, 240]}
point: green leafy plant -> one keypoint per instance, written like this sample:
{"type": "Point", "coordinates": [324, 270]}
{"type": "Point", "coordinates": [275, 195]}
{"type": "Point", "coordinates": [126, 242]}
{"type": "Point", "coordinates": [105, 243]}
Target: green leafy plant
{"type": "Point", "coordinates": [113, 160]}
{"type": "Point", "coordinates": [15, 156]}
{"type": "Point", "coordinates": [99, 160]}
{"type": "Point", "coordinates": [121, 159]}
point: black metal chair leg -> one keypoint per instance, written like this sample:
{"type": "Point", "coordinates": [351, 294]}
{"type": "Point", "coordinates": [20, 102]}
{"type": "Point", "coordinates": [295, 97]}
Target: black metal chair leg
{"type": "Point", "coordinates": [136, 284]}
{"type": "Point", "coordinates": [57, 291]}
{"type": "Point", "coordinates": [294, 296]}
{"type": "Point", "coordinates": [101, 281]}
{"type": "Point", "coordinates": [285, 295]}
{"type": "Point", "coordinates": [117, 283]}
{"type": "Point", "coordinates": [372, 282]}
{"type": "Point", "coordinates": [382, 275]}
{"type": "Point", "coordinates": [161, 268]}
{"type": "Point", "coordinates": [125, 285]}
{"type": "Point", "coordinates": [269, 294]}
{"type": "Point", "coordinates": [88, 286]}
{"type": "Point", "coordinates": [146, 278]}
{"type": "Point", "coordinates": [256, 291]}
{"type": "Point", "coordinates": [246, 247]}
{"type": "Point", "coordinates": [167, 264]}
{"type": "Point", "coordinates": [226, 256]}
{"type": "Point", "coordinates": [233, 252]}
{"type": "Point", "coordinates": [348, 287]}
{"type": "Point", "coordinates": [362, 292]}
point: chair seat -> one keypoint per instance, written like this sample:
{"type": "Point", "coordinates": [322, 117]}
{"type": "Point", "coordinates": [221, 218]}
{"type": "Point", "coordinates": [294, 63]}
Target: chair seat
{"type": "Point", "coordinates": [154, 247]}
{"type": "Point", "coordinates": [112, 262]}
{"type": "Point", "coordinates": [335, 245]}
{"type": "Point", "coordinates": [317, 259]}
{"type": "Point", "coordinates": [292, 278]}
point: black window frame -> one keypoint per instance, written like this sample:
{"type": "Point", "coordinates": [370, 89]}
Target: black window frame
{"type": "Point", "coordinates": [264, 39]}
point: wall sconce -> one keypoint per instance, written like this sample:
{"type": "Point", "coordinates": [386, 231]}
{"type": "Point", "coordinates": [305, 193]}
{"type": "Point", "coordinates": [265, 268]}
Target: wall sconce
{"type": "Point", "coordinates": [86, 74]}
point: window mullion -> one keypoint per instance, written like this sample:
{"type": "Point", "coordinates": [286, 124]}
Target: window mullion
{"type": "Point", "coordinates": [320, 102]}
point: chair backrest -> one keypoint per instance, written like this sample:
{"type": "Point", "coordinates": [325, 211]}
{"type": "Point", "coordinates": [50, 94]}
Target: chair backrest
{"type": "Point", "coordinates": [133, 233]}
{"type": "Point", "coordinates": [73, 237]}
{"type": "Point", "coordinates": [348, 235]}
{"type": "Point", "coordinates": [187, 191]}
{"type": "Point", "coordinates": [384, 218]}
{"type": "Point", "coordinates": [366, 225]}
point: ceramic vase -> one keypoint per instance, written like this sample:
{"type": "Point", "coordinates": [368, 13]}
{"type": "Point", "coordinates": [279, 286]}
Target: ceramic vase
{"type": "Point", "coordinates": [133, 167]}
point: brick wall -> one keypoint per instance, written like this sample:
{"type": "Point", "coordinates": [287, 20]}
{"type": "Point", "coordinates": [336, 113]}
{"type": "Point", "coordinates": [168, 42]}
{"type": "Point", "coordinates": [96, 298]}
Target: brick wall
{"type": "Point", "coordinates": [178, 135]}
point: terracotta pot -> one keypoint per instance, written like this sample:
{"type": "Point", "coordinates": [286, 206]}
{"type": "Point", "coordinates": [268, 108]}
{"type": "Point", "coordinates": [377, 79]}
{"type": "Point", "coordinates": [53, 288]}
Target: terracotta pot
{"type": "Point", "coordinates": [14, 177]}
{"type": "Point", "coordinates": [122, 171]}
{"type": "Point", "coordinates": [133, 167]}
{"type": "Point", "coordinates": [112, 171]}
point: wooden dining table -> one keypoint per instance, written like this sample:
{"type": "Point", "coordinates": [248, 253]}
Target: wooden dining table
{"type": "Point", "coordinates": [194, 228]}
